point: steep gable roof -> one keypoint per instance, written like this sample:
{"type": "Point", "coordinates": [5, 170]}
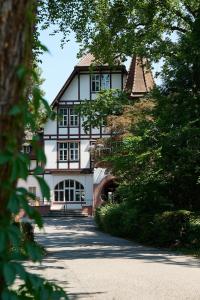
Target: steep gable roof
{"type": "Point", "coordinates": [83, 65]}
{"type": "Point", "coordinates": [140, 79]}
{"type": "Point", "coordinates": [86, 60]}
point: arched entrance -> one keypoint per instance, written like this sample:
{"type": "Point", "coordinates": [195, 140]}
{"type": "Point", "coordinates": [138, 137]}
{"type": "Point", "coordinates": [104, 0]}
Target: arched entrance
{"type": "Point", "coordinates": [104, 191]}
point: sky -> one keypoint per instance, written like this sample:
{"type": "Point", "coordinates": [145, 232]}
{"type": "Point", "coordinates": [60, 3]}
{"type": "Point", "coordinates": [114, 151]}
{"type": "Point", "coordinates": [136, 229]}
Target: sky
{"type": "Point", "coordinates": [58, 63]}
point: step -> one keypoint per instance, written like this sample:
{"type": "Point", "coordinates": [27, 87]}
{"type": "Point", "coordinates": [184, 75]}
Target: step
{"type": "Point", "coordinates": [66, 213]}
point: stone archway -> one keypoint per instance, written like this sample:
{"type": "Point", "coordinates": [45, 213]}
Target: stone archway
{"type": "Point", "coordinates": [98, 188]}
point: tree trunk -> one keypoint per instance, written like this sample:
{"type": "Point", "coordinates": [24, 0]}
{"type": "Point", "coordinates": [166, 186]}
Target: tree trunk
{"type": "Point", "coordinates": [16, 19]}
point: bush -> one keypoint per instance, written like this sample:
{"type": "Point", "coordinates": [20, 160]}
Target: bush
{"type": "Point", "coordinates": [167, 229]}
{"type": "Point", "coordinates": [109, 218]}
{"type": "Point", "coordinates": [171, 228]}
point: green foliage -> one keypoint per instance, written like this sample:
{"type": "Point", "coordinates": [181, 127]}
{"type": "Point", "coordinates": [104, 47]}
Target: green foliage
{"type": "Point", "coordinates": [107, 102]}
{"type": "Point", "coordinates": [142, 27]}
{"type": "Point", "coordinates": [170, 228]}
{"type": "Point", "coordinates": [16, 244]}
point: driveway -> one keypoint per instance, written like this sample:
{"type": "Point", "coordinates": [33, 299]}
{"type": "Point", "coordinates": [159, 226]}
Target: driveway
{"type": "Point", "coordinates": [92, 265]}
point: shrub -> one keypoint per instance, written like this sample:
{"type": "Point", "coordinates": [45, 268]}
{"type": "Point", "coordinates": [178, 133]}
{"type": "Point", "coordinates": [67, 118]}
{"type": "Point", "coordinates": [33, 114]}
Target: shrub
{"type": "Point", "coordinates": [171, 228]}
{"type": "Point", "coordinates": [167, 229]}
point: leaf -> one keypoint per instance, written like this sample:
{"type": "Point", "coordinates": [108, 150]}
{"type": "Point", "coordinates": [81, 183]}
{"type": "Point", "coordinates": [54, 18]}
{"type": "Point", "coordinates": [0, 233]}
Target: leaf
{"type": "Point", "coordinates": [13, 203]}
{"type": "Point", "coordinates": [44, 187]}
{"type": "Point", "coordinates": [38, 171]}
{"type": "Point", "coordinates": [2, 240]}
{"type": "Point", "coordinates": [4, 158]}
{"type": "Point", "coordinates": [15, 110]}
{"type": "Point", "coordinates": [9, 273]}
{"type": "Point", "coordinates": [21, 72]}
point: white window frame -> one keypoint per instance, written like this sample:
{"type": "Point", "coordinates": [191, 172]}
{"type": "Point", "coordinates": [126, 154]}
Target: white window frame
{"type": "Point", "coordinates": [68, 151]}
{"type": "Point", "coordinates": [73, 151]}
{"type": "Point", "coordinates": [105, 81]}
{"type": "Point", "coordinates": [26, 149]}
{"type": "Point", "coordinates": [100, 82]}
{"type": "Point", "coordinates": [73, 117]}
{"type": "Point", "coordinates": [75, 191]}
{"type": "Point", "coordinates": [95, 79]}
{"type": "Point", "coordinates": [63, 151]}
{"type": "Point", "coordinates": [63, 117]}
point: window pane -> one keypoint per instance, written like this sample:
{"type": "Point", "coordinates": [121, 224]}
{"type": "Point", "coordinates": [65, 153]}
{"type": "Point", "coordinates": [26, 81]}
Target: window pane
{"type": "Point", "coordinates": [71, 195]}
{"type": "Point", "coordinates": [77, 185]}
{"type": "Point", "coordinates": [71, 183]}
{"type": "Point", "coordinates": [61, 185]}
{"type": "Point", "coordinates": [61, 196]}
{"type": "Point", "coordinates": [63, 117]}
{"type": "Point", "coordinates": [78, 196]}
{"type": "Point", "coordinates": [66, 183]}
{"type": "Point", "coordinates": [105, 81]}
{"type": "Point", "coordinates": [95, 83]}
{"type": "Point", "coordinates": [66, 195]}
{"type": "Point", "coordinates": [56, 196]}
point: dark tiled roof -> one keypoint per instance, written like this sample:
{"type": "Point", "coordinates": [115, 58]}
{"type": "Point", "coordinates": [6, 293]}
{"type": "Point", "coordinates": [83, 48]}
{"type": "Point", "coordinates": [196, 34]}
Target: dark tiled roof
{"type": "Point", "coordinates": [140, 79]}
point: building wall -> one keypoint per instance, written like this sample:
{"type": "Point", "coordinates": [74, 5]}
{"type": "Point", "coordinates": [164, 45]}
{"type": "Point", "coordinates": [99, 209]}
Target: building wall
{"type": "Point", "coordinates": [79, 89]}
{"type": "Point", "coordinates": [71, 92]}
{"type": "Point", "coordinates": [85, 179]}
{"type": "Point", "coordinates": [50, 149]}
{"type": "Point", "coordinates": [31, 182]}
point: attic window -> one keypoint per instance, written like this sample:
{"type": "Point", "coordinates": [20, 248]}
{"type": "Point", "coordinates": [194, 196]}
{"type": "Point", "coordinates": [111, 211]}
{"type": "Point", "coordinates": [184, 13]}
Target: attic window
{"type": "Point", "coordinates": [105, 81]}
{"type": "Point", "coordinates": [100, 82]}
{"type": "Point", "coordinates": [95, 83]}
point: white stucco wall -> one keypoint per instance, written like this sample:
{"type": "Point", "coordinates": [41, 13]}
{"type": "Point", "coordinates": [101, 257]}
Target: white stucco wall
{"type": "Point", "coordinates": [116, 81]}
{"type": "Point", "coordinates": [85, 154]}
{"type": "Point", "coordinates": [71, 92]}
{"type": "Point", "coordinates": [86, 180]}
{"type": "Point", "coordinates": [30, 182]}
{"type": "Point", "coordinates": [84, 87]}
{"type": "Point", "coordinates": [50, 127]}
{"type": "Point", "coordinates": [50, 148]}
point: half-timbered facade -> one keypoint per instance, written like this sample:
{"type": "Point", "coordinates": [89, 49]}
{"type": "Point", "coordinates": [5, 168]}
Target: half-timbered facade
{"type": "Point", "coordinates": [69, 170]}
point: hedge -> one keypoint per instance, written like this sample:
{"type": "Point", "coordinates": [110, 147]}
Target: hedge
{"type": "Point", "coordinates": [179, 228]}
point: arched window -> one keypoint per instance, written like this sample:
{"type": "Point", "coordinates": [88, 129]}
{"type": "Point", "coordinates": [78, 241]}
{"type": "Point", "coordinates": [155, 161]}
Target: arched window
{"type": "Point", "coordinates": [69, 191]}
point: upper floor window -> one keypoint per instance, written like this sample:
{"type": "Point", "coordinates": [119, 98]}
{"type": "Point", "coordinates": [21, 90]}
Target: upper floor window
{"type": "Point", "coordinates": [73, 151]}
{"type": "Point", "coordinates": [68, 117]}
{"type": "Point", "coordinates": [95, 83]}
{"type": "Point", "coordinates": [63, 117]}
{"type": "Point", "coordinates": [73, 117]}
{"type": "Point", "coordinates": [69, 151]}
{"type": "Point", "coordinates": [63, 151]}
{"type": "Point", "coordinates": [105, 81]}
{"type": "Point", "coordinates": [100, 82]}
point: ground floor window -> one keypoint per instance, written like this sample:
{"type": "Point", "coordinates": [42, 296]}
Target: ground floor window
{"type": "Point", "coordinates": [69, 191]}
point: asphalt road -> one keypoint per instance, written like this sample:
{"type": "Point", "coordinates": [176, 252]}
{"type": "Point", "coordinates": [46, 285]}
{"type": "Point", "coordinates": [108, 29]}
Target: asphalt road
{"type": "Point", "coordinates": [92, 265]}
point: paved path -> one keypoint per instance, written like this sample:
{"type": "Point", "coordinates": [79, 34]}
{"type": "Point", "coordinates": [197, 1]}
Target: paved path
{"type": "Point", "coordinates": [93, 265]}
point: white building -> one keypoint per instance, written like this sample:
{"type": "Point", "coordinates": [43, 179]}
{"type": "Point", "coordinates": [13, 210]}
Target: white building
{"type": "Point", "coordinates": [69, 172]}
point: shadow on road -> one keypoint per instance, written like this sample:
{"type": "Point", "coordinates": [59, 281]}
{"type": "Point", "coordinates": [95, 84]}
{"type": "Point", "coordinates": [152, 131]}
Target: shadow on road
{"type": "Point", "coordinates": [76, 238]}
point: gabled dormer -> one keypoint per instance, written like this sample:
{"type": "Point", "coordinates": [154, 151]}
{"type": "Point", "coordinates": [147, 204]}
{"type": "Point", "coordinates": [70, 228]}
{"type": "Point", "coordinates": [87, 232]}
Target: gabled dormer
{"type": "Point", "coordinates": [87, 79]}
